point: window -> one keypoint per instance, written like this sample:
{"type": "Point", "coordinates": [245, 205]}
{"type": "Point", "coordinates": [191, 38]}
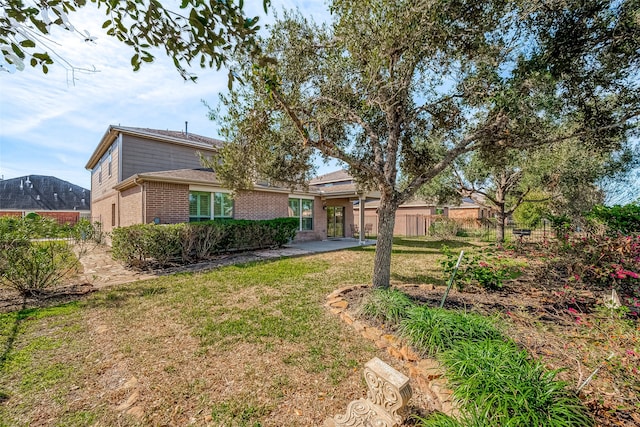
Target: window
{"type": "Point", "coordinates": [100, 175]}
{"type": "Point", "coordinates": [302, 209]}
{"type": "Point", "coordinates": [109, 165]}
{"type": "Point", "coordinates": [222, 206]}
{"type": "Point", "coordinates": [113, 214]}
{"type": "Point", "coordinates": [199, 206]}
{"type": "Point", "coordinates": [201, 209]}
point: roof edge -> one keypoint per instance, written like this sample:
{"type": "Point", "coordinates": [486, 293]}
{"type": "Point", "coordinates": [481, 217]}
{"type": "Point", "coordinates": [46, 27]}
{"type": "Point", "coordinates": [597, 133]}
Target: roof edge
{"type": "Point", "coordinates": [140, 178]}
{"type": "Point", "coordinates": [104, 143]}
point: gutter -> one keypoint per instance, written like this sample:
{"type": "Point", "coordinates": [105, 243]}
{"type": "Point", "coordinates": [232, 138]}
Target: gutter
{"type": "Point", "coordinates": [139, 178]}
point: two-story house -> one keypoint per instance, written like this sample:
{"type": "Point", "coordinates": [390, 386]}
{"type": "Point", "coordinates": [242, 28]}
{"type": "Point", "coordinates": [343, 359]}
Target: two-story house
{"type": "Point", "coordinates": [155, 176]}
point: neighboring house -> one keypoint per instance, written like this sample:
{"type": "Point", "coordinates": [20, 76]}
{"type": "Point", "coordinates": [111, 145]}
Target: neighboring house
{"type": "Point", "coordinates": [155, 176]}
{"type": "Point", "coordinates": [414, 217]}
{"type": "Point", "coordinates": [46, 196]}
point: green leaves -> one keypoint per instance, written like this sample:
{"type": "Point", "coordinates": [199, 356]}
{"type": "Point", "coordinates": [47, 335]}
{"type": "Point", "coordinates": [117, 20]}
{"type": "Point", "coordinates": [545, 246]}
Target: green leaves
{"type": "Point", "coordinates": [213, 30]}
{"type": "Point", "coordinates": [618, 219]}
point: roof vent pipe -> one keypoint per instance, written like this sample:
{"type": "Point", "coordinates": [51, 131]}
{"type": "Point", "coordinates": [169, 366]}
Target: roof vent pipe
{"type": "Point", "coordinates": [186, 128]}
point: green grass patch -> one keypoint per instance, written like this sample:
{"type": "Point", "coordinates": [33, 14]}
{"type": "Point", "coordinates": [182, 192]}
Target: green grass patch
{"type": "Point", "coordinates": [77, 419]}
{"type": "Point", "coordinates": [239, 413]}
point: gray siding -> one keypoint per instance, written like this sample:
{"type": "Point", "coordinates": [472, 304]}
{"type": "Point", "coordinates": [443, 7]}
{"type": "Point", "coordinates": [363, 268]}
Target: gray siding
{"type": "Point", "coordinates": [143, 155]}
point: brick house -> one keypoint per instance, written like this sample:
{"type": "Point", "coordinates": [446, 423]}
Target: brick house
{"type": "Point", "coordinates": [46, 196]}
{"type": "Point", "coordinates": [155, 176]}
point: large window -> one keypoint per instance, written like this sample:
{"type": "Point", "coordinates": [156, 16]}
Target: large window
{"type": "Point", "coordinates": [204, 206]}
{"type": "Point", "coordinates": [302, 209]}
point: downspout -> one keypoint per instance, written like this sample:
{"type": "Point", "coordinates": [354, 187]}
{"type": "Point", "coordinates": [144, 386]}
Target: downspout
{"type": "Point", "coordinates": [361, 233]}
{"type": "Point", "coordinates": [143, 194]}
{"type": "Point", "coordinates": [118, 144]}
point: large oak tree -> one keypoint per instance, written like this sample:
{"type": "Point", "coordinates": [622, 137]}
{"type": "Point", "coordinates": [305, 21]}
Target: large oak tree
{"type": "Point", "coordinates": [398, 90]}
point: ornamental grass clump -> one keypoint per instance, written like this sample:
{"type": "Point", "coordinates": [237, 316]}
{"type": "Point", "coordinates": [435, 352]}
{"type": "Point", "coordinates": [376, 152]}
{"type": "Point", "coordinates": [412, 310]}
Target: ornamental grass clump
{"type": "Point", "coordinates": [502, 385]}
{"type": "Point", "coordinates": [388, 306]}
{"type": "Point", "coordinates": [495, 382]}
{"type": "Point", "coordinates": [432, 330]}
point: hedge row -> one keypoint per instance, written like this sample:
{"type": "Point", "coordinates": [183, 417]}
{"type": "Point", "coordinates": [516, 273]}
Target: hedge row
{"type": "Point", "coordinates": [143, 245]}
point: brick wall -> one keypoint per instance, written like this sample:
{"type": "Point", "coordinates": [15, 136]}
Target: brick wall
{"type": "Point", "coordinates": [464, 213]}
{"type": "Point", "coordinates": [130, 210]}
{"type": "Point", "coordinates": [260, 205]}
{"type": "Point", "coordinates": [101, 210]}
{"type": "Point", "coordinates": [168, 202]}
{"type": "Point", "coordinates": [61, 217]}
{"type": "Point", "coordinates": [11, 213]}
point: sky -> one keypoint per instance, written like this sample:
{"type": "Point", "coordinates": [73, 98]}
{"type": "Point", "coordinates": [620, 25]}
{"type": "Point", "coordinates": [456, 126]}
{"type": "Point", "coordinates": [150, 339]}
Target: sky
{"type": "Point", "coordinates": [51, 123]}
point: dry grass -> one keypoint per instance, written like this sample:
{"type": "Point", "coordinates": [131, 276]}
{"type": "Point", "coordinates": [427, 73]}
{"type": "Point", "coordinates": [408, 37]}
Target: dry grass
{"type": "Point", "coordinates": [245, 345]}
{"type": "Point", "coordinates": [248, 345]}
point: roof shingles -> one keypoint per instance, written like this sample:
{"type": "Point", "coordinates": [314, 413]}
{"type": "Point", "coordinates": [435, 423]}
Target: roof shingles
{"type": "Point", "coordinates": [38, 192]}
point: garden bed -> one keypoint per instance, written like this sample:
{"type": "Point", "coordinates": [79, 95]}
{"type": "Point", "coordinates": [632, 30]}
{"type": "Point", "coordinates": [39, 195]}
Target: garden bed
{"type": "Point", "coordinates": [565, 328]}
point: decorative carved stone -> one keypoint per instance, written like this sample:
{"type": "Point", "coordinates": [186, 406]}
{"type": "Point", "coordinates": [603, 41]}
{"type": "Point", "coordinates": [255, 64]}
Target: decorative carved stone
{"type": "Point", "coordinates": [389, 392]}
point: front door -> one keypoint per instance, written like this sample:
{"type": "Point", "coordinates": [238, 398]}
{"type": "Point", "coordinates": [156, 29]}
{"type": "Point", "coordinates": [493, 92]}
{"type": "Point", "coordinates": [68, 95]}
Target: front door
{"type": "Point", "coordinates": [335, 221]}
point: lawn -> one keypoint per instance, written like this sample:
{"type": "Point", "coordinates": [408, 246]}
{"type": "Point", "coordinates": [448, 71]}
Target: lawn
{"type": "Point", "coordinates": [245, 345]}
{"type": "Point", "coordinates": [253, 345]}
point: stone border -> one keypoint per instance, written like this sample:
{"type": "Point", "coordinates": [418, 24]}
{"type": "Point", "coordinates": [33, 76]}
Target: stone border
{"type": "Point", "coordinates": [427, 374]}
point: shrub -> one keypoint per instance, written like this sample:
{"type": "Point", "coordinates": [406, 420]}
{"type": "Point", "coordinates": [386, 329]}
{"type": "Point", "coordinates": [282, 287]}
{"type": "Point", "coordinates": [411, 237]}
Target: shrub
{"type": "Point", "coordinates": [484, 269]}
{"type": "Point", "coordinates": [33, 267]}
{"type": "Point", "coordinates": [561, 224]}
{"type": "Point", "coordinates": [84, 231]}
{"type": "Point", "coordinates": [141, 244]}
{"type": "Point", "coordinates": [618, 219]}
{"type": "Point", "coordinates": [606, 261]}
{"type": "Point", "coordinates": [444, 228]}
{"type": "Point", "coordinates": [146, 244]}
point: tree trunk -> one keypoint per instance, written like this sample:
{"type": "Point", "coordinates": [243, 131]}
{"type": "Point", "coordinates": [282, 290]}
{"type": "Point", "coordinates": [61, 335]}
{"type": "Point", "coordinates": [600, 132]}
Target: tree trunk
{"type": "Point", "coordinates": [502, 219]}
{"type": "Point", "coordinates": [382, 262]}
